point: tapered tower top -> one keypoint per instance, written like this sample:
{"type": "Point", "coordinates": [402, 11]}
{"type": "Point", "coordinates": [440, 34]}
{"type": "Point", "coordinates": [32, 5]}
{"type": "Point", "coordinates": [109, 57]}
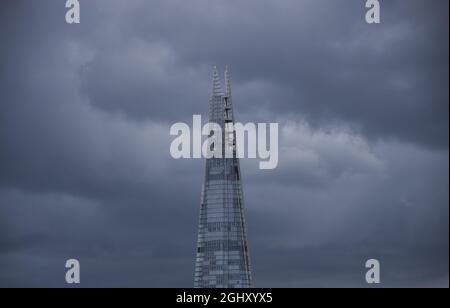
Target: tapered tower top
{"type": "Point", "coordinates": [227, 82]}
{"type": "Point", "coordinates": [217, 88]}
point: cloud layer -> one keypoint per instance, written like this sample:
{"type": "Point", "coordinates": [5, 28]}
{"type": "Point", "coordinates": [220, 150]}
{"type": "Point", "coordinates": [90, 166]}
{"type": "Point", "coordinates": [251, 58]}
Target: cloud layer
{"type": "Point", "coordinates": [85, 111]}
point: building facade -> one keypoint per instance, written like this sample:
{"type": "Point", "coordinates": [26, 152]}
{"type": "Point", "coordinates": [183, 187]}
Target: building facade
{"type": "Point", "coordinates": [222, 251]}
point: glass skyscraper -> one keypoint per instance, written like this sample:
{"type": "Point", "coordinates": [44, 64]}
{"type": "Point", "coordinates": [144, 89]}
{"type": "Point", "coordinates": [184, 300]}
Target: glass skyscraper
{"type": "Point", "coordinates": [222, 251]}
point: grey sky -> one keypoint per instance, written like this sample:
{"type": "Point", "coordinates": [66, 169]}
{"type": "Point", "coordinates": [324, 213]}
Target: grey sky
{"type": "Point", "coordinates": [85, 111]}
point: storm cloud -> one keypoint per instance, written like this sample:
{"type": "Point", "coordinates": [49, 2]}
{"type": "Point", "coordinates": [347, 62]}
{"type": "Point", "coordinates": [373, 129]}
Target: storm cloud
{"type": "Point", "coordinates": [85, 112]}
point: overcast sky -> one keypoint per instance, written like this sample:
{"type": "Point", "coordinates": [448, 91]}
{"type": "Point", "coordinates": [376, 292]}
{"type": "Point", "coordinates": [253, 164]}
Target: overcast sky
{"type": "Point", "coordinates": [85, 112]}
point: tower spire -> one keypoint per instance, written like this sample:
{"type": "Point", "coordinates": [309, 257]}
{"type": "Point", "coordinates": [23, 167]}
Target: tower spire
{"type": "Point", "coordinates": [227, 82]}
{"type": "Point", "coordinates": [217, 88]}
{"type": "Point", "coordinates": [222, 250]}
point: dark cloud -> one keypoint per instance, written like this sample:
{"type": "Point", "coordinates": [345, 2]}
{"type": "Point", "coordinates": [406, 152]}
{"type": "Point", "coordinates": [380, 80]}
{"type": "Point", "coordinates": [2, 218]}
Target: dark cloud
{"type": "Point", "coordinates": [85, 112]}
{"type": "Point", "coordinates": [314, 59]}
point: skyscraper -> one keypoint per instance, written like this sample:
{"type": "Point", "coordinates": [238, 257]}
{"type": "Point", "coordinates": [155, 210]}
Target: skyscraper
{"type": "Point", "coordinates": [222, 251]}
